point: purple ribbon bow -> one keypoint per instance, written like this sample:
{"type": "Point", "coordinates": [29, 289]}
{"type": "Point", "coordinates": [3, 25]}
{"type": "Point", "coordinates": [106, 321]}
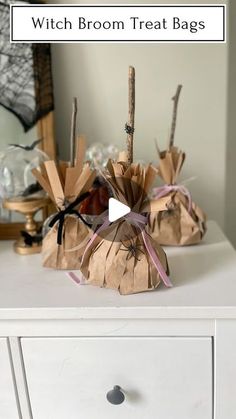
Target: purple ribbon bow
{"type": "Point", "coordinates": [139, 221]}
{"type": "Point", "coordinates": [161, 191]}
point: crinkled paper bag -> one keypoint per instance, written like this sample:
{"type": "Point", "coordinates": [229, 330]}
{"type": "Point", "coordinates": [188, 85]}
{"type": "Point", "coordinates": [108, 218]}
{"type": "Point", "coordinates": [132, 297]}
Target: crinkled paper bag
{"type": "Point", "coordinates": [110, 263]}
{"type": "Point", "coordinates": [75, 235]}
{"type": "Point", "coordinates": [118, 258]}
{"type": "Point", "coordinates": [179, 225]}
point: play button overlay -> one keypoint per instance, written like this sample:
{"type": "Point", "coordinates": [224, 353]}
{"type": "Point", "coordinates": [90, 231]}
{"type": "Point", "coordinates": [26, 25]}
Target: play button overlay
{"type": "Point", "coordinates": [125, 197]}
{"type": "Point", "coordinates": [116, 210]}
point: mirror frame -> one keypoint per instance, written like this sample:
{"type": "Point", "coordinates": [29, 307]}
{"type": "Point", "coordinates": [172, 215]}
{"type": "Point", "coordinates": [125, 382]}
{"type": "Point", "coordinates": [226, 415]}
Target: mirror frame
{"type": "Point", "coordinates": [45, 130]}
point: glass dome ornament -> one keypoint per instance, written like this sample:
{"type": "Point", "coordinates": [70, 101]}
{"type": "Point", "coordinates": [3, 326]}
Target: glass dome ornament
{"type": "Point", "coordinates": [99, 154]}
{"type": "Point", "coordinates": [20, 191]}
{"type": "Point", "coordinates": [16, 166]}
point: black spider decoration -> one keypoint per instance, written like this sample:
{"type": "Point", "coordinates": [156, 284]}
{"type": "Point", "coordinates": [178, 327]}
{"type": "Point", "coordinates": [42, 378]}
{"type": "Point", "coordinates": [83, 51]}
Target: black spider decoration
{"type": "Point", "coordinates": [27, 147]}
{"type": "Point", "coordinates": [170, 211]}
{"type": "Point", "coordinates": [129, 129]}
{"type": "Point", "coordinates": [132, 249]}
{"type": "Point", "coordinates": [31, 240]}
{"type": "Point", "coordinates": [167, 213]}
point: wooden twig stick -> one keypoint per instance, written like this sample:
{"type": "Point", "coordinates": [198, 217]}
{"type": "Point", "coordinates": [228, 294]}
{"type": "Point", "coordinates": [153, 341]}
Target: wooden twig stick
{"type": "Point", "coordinates": [174, 115]}
{"type": "Point", "coordinates": [130, 125]}
{"type": "Point", "coordinates": [73, 132]}
{"type": "Point", "coordinates": [157, 147]}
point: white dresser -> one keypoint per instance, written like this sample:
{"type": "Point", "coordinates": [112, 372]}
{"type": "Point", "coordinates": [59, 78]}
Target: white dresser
{"type": "Point", "coordinates": [171, 353]}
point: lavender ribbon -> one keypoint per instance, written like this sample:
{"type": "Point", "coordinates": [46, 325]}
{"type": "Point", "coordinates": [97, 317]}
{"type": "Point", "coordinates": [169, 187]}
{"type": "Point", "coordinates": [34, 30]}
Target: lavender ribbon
{"type": "Point", "coordinates": [139, 221]}
{"type": "Point", "coordinates": [161, 191]}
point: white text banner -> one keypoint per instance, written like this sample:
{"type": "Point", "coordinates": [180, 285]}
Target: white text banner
{"type": "Point", "coordinates": [117, 23]}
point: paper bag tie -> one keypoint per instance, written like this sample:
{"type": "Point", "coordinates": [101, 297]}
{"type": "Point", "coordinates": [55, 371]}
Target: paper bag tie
{"type": "Point", "coordinates": [164, 190]}
{"type": "Point", "coordinates": [139, 221]}
{"type": "Point", "coordinates": [60, 216]}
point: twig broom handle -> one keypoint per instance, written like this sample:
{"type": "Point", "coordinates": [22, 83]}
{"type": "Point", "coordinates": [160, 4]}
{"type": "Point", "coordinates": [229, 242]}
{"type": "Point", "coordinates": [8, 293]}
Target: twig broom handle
{"type": "Point", "coordinates": [174, 115]}
{"type": "Point", "coordinates": [130, 135]}
{"type": "Point", "coordinates": [73, 132]}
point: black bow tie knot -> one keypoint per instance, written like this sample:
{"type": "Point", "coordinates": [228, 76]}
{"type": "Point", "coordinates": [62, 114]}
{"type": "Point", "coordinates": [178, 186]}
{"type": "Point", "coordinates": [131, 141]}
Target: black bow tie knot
{"type": "Point", "coordinates": [69, 210]}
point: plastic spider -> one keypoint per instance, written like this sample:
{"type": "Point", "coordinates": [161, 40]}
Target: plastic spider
{"type": "Point", "coordinates": [132, 249]}
{"type": "Point", "coordinates": [169, 212]}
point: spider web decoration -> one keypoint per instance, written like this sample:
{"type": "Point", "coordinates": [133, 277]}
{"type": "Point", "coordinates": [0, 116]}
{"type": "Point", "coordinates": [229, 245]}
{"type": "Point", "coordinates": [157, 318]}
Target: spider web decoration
{"type": "Point", "coordinates": [25, 74]}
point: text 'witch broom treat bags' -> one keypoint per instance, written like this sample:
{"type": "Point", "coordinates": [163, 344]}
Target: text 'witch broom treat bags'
{"type": "Point", "coordinates": [120, 254]}
{"type": "Point", "coordinates": [184, 223]}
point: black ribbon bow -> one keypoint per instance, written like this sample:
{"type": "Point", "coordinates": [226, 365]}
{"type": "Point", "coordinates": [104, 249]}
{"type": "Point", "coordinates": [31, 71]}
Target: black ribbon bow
{"type": "Point", "coordinates": [60, 216]}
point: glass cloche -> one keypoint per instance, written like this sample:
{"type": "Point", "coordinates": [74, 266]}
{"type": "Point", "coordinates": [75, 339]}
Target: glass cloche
{"type": "Point", "coordinates": [16, 178]}
{"type": "Point", "coordinates": [99, 154]}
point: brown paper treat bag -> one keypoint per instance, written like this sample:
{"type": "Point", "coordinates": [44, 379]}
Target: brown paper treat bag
{"type": "Point", "coordinates": [67, 186]}
{"type": "Point", "coordinates": [60, 256]}
{"type": "Point", "coordinates": [121, 255]}
{"type": "Point", "coordinates": [183, 223]}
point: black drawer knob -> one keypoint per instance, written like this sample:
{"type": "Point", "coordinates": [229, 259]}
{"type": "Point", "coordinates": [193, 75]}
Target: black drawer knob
{"type": "Point", "coordinates": [115, 396]}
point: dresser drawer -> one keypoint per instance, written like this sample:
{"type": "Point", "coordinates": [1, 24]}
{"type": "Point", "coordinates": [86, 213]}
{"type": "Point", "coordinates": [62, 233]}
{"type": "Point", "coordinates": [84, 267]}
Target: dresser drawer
{"type": "Point", "coordinates": [166, 378]}
{"type": "Point", "coordinates": [8, 406]}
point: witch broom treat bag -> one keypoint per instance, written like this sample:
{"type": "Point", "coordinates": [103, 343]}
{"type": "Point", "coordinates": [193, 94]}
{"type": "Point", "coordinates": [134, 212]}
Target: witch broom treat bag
{"type": "Point", "coordinates": [183, 223]}
{"type": "Point", "coordinates": [121, 254]}
{"type": "Point", "coordinates": [68, 185]}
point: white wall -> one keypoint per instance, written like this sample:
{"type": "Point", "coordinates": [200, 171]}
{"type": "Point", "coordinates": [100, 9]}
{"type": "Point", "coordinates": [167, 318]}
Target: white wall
{"type": "Point", "coordinates": [97, 74]}
{"type": "Point", "coordinates": [230, 210]}
{"type": "Point", "coordinates": [12, 131]}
